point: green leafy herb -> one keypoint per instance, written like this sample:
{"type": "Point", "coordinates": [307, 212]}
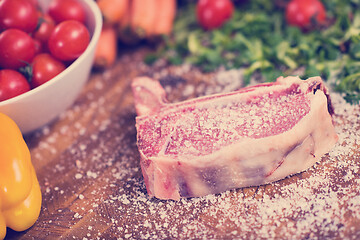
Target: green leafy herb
{"type": "Point", "coordinates": [258, 39]}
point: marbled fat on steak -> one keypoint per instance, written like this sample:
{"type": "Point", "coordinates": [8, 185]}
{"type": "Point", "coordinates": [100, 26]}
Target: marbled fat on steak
{"type": "Point", "coordinates": [249, 137]}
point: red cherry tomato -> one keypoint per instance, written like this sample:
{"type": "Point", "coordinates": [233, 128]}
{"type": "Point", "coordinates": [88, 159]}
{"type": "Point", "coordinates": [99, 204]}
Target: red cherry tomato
{"type": "Point", "coordinates": [12, 84]}
{"type": "Point", "coordinates": [61, 10]}
{"type": "Point", "coordinates": [43, 32]}
{"type": "Point", "coordinates": [212, 14]}
{"type": "Point", "coordinates": [301, 13]}
{"type": "Point", "coordinates": [17, 49]}
{"type": "Point", "coordinates": [44, 68]}
{"type": "Point", "coordinates": [20, 14]}
{"type": "Point", "coordinates": [69, 40]}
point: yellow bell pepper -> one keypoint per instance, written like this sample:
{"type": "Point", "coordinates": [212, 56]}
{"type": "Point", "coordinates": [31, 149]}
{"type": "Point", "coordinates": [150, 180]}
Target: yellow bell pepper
{"type": "Point", "coordinates": [20, 195]}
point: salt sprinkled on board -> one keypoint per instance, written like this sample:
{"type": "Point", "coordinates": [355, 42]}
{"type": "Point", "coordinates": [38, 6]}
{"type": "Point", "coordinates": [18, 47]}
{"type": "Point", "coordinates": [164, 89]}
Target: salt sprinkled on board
{"type": "Point", "coordinates": [231, 79]}
{"type": "Point", "coordinates": [306, 205]}
{"type": "Point", "coordinates": [323, 202]}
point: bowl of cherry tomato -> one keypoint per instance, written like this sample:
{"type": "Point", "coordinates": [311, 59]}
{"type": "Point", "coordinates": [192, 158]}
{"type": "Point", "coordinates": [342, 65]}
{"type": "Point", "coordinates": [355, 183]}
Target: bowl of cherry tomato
{"type": "Point", "coordinates": [46, 56]}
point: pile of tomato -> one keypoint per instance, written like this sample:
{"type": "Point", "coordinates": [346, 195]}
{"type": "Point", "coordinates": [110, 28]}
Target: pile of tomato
{"type": "Point", "coordinates": [35, 46]}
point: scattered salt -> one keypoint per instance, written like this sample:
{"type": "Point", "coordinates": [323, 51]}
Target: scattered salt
{"type": "Point", "coordinates": [321, 203]}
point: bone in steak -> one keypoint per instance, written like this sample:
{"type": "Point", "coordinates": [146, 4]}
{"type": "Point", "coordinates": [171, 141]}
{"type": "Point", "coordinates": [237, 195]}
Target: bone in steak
{"type": "Point", "coordinates": [249, 137]}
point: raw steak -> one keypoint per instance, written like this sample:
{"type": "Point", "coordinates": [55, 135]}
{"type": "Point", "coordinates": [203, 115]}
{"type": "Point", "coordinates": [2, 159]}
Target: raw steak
{"type": "Point", "coordinates": [249, 137]}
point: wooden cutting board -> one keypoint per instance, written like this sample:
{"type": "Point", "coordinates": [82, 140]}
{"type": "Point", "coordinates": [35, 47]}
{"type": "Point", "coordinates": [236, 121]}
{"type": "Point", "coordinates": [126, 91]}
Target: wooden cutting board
{"type": "Point", "coordinates": [87, 164]}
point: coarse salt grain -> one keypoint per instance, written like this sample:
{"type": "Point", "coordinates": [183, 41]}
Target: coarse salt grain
{"type": "Point", "coordinates": [78, 176]}
{"type": "Point", "coordinates": [91, 174]}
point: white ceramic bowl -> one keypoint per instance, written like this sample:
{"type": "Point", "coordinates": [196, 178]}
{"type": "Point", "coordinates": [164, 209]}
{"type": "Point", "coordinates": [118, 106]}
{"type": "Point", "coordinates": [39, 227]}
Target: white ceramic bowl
{"type": "Point", "coordinates": [43, 104]}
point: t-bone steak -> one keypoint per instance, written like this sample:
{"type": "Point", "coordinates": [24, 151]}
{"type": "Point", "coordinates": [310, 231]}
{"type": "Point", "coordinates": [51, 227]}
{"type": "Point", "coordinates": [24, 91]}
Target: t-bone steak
{"type": "Point", "coordinates": [249, 137]}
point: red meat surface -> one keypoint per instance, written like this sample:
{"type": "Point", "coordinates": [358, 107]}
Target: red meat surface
{"type": "Point", "coordinates": [249, 137]}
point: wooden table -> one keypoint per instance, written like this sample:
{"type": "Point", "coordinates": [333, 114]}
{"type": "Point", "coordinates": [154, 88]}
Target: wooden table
{"type": "Point", "coordinates": [87, 164]}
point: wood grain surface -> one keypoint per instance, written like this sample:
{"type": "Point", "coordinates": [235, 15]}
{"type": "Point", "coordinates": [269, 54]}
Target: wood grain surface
{"type": "Point", "coordinates": [87, 164]}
